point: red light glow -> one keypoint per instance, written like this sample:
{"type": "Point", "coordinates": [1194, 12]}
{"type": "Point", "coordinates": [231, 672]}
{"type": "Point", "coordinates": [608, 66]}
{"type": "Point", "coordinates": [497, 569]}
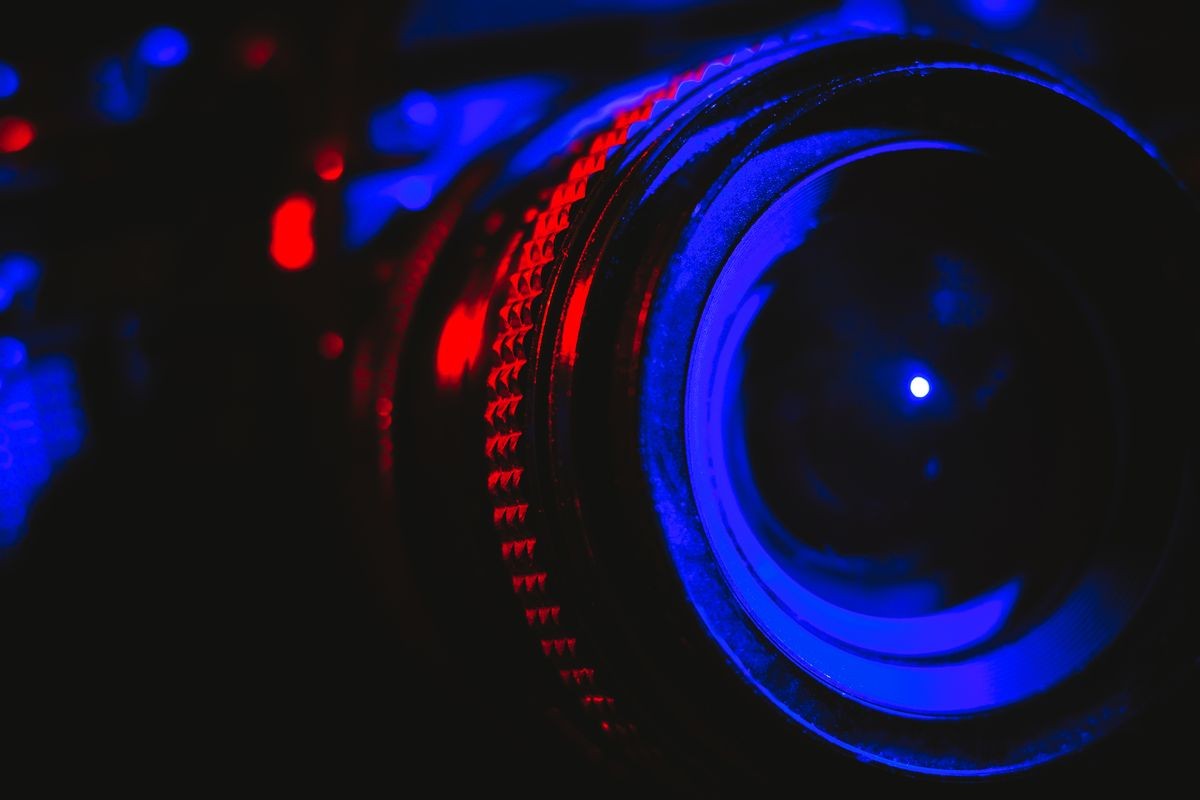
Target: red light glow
{"type": "Point", "coordinates": [15, 134]}
{"type": "Point", "coordinates": [492, 222]}
{"type": "Point", "coordinates": [462, 338]}
{"type": "Point", "coordinates": [292, 244]}
{"type": "Point", "coordinates": [573, 320]}
{"type": "Point", "coordinates": [257, 51]}
{"type": "Point", "coordinates": [330, 345]}
{"type": "Point", "coordinates": [329, 164]}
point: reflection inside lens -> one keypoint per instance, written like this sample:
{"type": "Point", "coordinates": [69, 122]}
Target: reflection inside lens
{"type": "Point", "coordinates": [912, 435]}
{"type": "Point", "coordinates": [897, 505]}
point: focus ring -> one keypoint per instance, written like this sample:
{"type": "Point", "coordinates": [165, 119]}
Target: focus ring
{"type": "Point", "coordinates": [527, 269]}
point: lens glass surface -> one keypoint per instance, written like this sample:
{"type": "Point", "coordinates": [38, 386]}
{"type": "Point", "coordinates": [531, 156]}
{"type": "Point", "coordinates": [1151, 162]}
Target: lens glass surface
{"type": "Point", "coordinates": [922, 410]}
{"type": "Point", "coordinates": [906, 428]}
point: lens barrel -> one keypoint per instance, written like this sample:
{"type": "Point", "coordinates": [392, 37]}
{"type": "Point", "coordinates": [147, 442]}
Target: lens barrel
{"type": "Point", "coordinates": [829, 392]}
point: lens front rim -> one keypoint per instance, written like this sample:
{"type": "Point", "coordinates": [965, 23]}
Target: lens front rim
{"type": "Point", "coordinates": [1060, 726]}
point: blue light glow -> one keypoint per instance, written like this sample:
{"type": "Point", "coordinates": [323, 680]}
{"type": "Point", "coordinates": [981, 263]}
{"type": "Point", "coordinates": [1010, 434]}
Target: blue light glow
{"type": "Point", "coordinates": [480, 116]}
{"type": "Point", "coordinates": [12, 353]}
{"type": "Point", "coordinates": [41, 425]}
{"type": "Point", "coordinates": [1001, 14]}
{"type": "Point", "coordinates": [568, 126]}
{"type": "Point", "coordinates": [874, 15]}
{"type": "Point", "coordinates": [698, 143]}
{"type": "Point", "coordinates": [120, 90]}
{"type": "Point", "coordinates": [945, 631]}
{"type": "Point", "coordinates": [421, 108]}
{"type": "Point", "coordinates": [439, 19]}
{"type": "Point", "coordinates": [851, 651]}
{"type": "Point", "coordinates": [18, 275]}
{"type": "Point", "coordinates": [414, 191]}
{"type": "Point", "coordinates": [919, 386]}
{"type": "Point", "coordinates": [163, 47]}
{"type": "Point", "coordinates": [959, 298]}
{"type": "Point", "coordinates": [642, 134]}
{"type": "Point", "coordinates": [406, 127]}
{"type": "Point", "coordinates": [10, 81]}
{"type": "Point", "coordinates": [776, 646]}
{"type": "Point", "coordinates": [448, 130]}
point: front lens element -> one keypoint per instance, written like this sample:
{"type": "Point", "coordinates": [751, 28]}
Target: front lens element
{"type": "Point", "coordinates": [904, 433]}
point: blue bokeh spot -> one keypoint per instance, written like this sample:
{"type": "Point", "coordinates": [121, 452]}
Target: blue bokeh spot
{"type": "Point", "coordinates": [1001, 14]}
{"type": "Point", "coordinates": [41, 426]}
{"type": "Point", "coordinates": [19, 274]}
{"type": "Point", "coordinates": [10, 81]}
{"type": "Point", "coordinates": [120, 90]}
{"type": "Point", "coordinates": [163, 47]}
{"type": "Point", "coordinates": [443, 132]}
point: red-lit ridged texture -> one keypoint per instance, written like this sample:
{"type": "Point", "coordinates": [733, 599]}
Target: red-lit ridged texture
{"type": "Point", "coordinates": [527, 270]}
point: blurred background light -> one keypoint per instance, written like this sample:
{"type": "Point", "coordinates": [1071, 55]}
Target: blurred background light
{"type": "Point", "coordinates": [120, 91]}
{"type": "Point", "coordinates": [18, 274]}
{"type": "Point", "coordinates": [257, 51]}
{"type": "Point", "coordinates": [330, 345]}
{"type": "Point", "coordinates": [41, 425]}
{"type": "Point", "coordinates": [329, 164]}
{"type": "Point", "coordinates": [1001, 14]}
{"type": "Point", "coordinates": [16, 133]}
{"type": "Point", "coordinates": [449, 129]}
{"type": "Point", "coordinates": [12, 353]}
{"type": "Point", "coordinates": [163, 47]}
{"type": "Point", "coordinates": [10, 81]}
{"type": "Point", "coordinates": [292, 244]}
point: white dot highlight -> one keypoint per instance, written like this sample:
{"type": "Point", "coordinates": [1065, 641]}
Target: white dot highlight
{"type": "Point", "coordinates": [919, 386]}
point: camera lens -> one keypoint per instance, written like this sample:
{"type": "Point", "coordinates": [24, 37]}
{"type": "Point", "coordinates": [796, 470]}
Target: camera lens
{"type": "Point", "coordinates": [909, 423]}
{"type": "Point", "coordinates": [911, 398]}
{"type": "Point", "coordinates": [828, 391]}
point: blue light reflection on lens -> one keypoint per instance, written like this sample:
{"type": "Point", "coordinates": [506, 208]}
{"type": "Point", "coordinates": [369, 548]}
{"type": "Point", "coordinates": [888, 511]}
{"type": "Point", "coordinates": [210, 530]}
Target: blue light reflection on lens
{"type": "Point", "coordinates": [874, 15]}
{"type": "Point", "coordinates": [784, 610]}
{"type": "Point", "coordinates": [1001, 14]}
{"type": "Point", "coordinates": [439, 19]}
{"type": "Point", "coordinates": [554, 138]}
{"type": "Point", "coordinates": [1099, 605]}
{"type": "Point", "coordinates": [939, 633]}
